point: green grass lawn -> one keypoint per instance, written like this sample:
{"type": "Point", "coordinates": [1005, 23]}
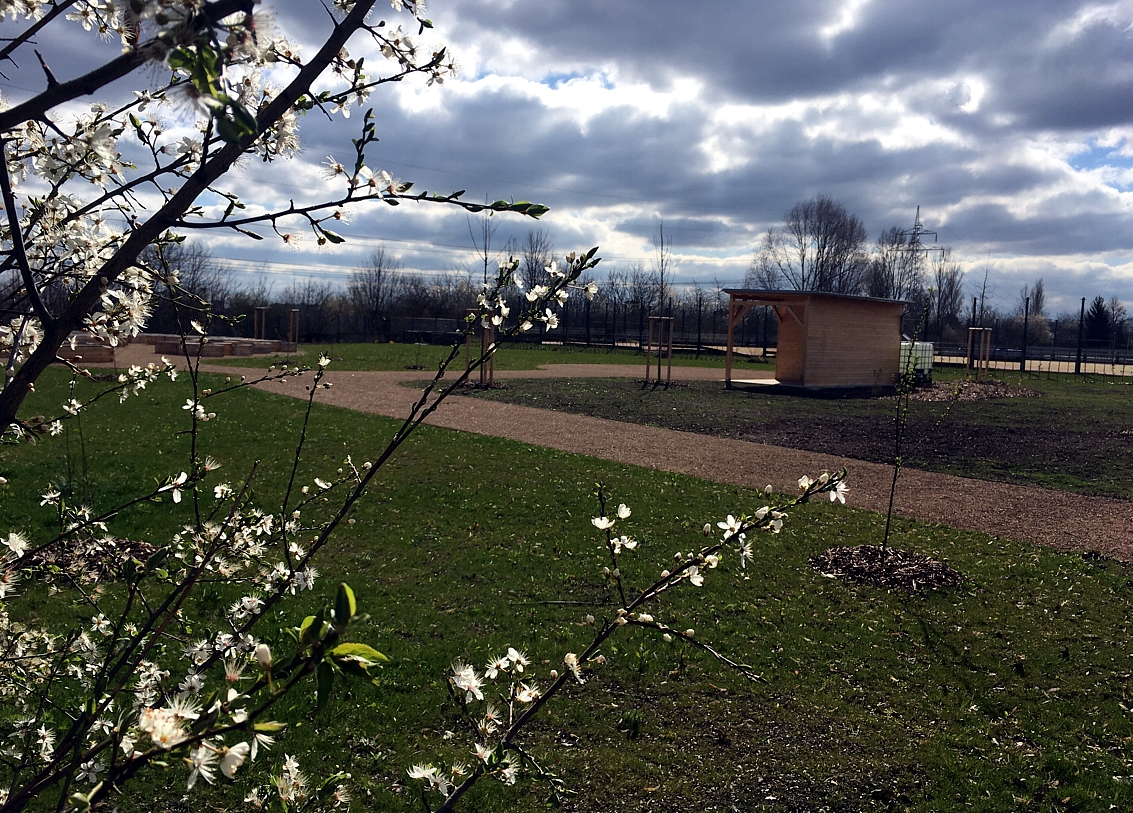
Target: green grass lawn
{"type": "Point", "coordinates": [1076, 435]}
{"type": "Point", "coordinates": [1011, 693]}
{"type": "Point", "coordinates": [510, 357]}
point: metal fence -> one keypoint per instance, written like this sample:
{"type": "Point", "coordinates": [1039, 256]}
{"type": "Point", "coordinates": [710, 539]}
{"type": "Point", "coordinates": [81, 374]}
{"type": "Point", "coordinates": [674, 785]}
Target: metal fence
{"type": "Point", "coordinates": [699, 326]}
{"type": "Point", "coordinates": [1108, 361]}
{"type": "Point", "coordinates": [597, 324]}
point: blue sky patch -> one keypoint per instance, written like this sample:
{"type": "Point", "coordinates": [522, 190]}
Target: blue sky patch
{"type": "Point", "coordinates": [557, 80]}
{"type": "Point", "coordinates": [1095, 157]}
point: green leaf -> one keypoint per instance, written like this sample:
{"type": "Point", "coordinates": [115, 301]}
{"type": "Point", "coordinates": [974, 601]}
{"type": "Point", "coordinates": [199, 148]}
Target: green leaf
{"type": "Point", "coordinates": [310, 629]}
{"type": "Point", "coordinates": [332, 237]}
{"type": "Point", "coordinates": [180, 58]}
{"type": "Point", "coordinates": [325, 680]}
{"type": "Point", "coordinates": [344, 605]}
{"type": "Point", "coordinates": [244, 120]}
{"type": "Point", "coordinates": [356, 659]}
{"type": "Point", "coordinates": [215, 104]}
{"type": "Point", "coordinates": [208, 60]}
{"type": "Point", "coordinates": [227, 130]}
{"type": "Point", "coordinates": [157, 559]}
{"type": "Point", "coordinates": [360, 651]}
{"type": "Point", "coordinates": [269, 727]}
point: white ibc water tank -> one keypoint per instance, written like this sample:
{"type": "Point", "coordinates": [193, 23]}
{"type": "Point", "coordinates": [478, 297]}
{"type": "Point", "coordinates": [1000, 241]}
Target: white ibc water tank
{"type": "Point", "coordinates": [917, 357]}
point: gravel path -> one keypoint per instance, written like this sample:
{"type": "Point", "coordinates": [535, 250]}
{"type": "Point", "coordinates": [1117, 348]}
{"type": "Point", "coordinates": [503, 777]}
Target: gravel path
{"type": "Point", "coordinates": [1053, 518]}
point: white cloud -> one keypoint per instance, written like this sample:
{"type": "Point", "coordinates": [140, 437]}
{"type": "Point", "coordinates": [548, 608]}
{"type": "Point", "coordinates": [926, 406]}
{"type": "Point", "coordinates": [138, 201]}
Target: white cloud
{"type": "Point", "coordinates": [1091, 15]}
{"type": "Point", "coordinates": [848, 19]}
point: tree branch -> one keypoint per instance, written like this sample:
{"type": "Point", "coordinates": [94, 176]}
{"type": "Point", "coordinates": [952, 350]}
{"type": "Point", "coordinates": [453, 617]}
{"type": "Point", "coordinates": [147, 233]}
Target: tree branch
{"type": "Point", "coordinates": [18, 250]}
{"type": "Point", "coordinates": [145, 233]}
{"type": "Point", "coordinates": [36, 27]}
{"type": "Point", "coordinates": [37, 107]}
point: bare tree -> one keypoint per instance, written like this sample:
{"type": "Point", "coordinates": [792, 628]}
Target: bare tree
{"type": "Point", "coordinates": [895, 269]}
{"type": "Point", "coordinates": [821, 247]}
{"type": "Point", "coordinates": [256, 295]}
{"type": "Point", "coordinates": [662, 265]}
{"type": "Point", "coordinates": [616, 289]}
{"type": "Point", "coordinates": [194, 268]}
{"type": "Point", "coordinates": [763, 272]}
{"type": "Point", "coordinates": [642, 286]}
{"type": "Point", "coordinates": [451, 294]}
{"type": "Point", "coordinates": [1119, 319]}
{"type": "Point", "coordinates": [481, 236]}
{"type": "Point", "coordinates": [535, 254]}
{"type": "Point", "coordinates": [315, 301]}
{"type": "Point", "coordinates": [374, 288]}
{"type": "Point", "coordinates": [197, 283]}
{"type": "Point", "coordinates": [1038, 298]}
{"type": "Point", "coordinates": [948, 290]}
{"type": "Point", "coordinates": [982, 290]}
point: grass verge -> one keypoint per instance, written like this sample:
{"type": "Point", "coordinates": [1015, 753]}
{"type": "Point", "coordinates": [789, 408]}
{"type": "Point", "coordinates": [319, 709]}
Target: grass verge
{"type": "Point", "coordinates": [509, 357]}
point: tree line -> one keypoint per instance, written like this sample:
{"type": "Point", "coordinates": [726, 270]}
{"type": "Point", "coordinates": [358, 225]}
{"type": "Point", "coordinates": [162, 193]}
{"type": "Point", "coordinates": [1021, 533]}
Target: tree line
{"type": "Point", "coordinates": [821, 246]}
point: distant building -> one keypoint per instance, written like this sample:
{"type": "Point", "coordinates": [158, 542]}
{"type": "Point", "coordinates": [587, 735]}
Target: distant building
{"type": "Point", "coordinates": [826, 341]}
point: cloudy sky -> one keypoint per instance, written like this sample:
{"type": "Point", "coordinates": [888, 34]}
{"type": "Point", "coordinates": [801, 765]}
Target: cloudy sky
{"type": "Point", "coordinates": [1008, 123]}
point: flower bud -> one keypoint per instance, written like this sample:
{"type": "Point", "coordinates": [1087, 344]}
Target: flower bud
{"type": "Point", "coordinates": [263, 656]}
{"type": "Point", "coordinates": [589, 618]}
{"type": "Point", "coordinates": [690, 633]}
{"type": "Point", "coordinates": [708, 529]}
{"type": "Point", "coordinates": [665, 574]}
{"type": "Point", "coordinates": [667, 638]}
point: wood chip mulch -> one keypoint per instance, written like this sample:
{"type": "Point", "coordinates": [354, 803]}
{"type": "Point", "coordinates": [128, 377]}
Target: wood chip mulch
{"type": "Point", "coordinates": [892, 568]}
{"type": "Point", "coordinates": [971, 391]}
{"type": "Point", "coordinates": [88, 561]}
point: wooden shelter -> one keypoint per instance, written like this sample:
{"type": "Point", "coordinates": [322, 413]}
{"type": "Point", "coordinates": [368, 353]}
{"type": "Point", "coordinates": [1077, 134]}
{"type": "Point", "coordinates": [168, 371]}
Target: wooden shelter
{"type": "Point", "coordinates": [826, 340]}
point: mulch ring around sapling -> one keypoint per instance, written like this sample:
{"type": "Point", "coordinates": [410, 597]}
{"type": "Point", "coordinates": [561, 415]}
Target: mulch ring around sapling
{"type": "Point", "coordinates": [886, 567]}
{"type": "Point", "coordinates": [88, 560]}
{"type": "Point", "coordinates": [476, 385]}
{"type": "Point", "coordinates": [971, 391]}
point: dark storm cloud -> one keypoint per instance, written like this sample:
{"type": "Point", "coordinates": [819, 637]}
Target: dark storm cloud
{"type": "Point", "coordinates": [1040, 66]}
